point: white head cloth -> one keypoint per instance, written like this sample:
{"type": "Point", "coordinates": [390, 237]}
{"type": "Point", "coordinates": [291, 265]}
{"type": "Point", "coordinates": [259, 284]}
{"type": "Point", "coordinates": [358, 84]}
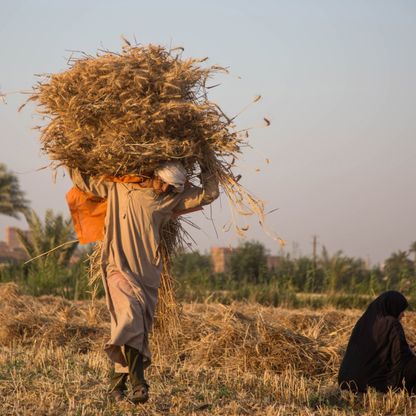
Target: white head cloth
{"type": "Point", "coordinates": [173, 173]}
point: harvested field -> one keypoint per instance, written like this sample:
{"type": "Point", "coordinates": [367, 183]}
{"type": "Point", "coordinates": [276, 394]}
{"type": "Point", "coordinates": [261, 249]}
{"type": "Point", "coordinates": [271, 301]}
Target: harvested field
{"type": "Point", "coordinates": [241, 359]}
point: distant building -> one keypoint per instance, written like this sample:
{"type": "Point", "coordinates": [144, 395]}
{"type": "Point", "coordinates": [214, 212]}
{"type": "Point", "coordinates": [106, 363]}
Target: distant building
{"type": "Point", "coordinates": [272, 262]}
{"type": "Point", "coordinates": [5, 252]}
{"type": "Point", "coordinates": [12, 237]}
{"type": "Point", "coordinates": [220, 258]}
{"type": "Point", "coordinates": [12, 249]}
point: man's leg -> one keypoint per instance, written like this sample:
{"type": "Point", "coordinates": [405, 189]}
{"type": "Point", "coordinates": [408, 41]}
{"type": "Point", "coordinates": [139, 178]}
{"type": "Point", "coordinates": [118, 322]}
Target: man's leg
{"type": "Point", "coordinates": [140, 388]}
{"type": "Point", "coordinates": [118, 386]}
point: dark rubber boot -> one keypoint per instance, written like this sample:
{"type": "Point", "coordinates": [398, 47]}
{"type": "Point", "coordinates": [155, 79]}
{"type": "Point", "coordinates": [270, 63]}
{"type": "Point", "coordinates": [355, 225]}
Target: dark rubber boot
{"type": "Point", "coordinates": [140, 393]}
{"type": "Point", "coordinates": [118, 387]}
{"type": "Point", "coordinates": [140, 388]}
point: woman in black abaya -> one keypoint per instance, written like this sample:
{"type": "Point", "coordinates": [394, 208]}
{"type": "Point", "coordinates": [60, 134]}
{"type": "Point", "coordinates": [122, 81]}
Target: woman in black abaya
{"type": "Point", "coordinates": [378, 354]}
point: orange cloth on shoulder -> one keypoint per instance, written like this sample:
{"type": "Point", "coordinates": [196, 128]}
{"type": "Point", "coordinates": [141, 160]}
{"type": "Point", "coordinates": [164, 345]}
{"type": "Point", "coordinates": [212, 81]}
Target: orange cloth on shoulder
{"type": "Point", "coordinates": [88, 215]}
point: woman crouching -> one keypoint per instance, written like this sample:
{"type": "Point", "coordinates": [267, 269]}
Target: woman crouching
{"type": "Point", "coordinates": [378, 354]}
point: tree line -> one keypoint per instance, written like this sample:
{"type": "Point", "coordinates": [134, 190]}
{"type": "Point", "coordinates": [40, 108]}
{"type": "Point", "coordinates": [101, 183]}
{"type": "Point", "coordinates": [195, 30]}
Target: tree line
{"type": "Point", "coordinates": [64, 271]}
{"type": "Point", "coordinates": [325, 273]}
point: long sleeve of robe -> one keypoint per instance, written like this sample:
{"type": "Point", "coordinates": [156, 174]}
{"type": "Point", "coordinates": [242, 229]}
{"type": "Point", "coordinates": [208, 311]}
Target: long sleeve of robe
{"type": "Point", "coordinates": [400, 354]}
{"type": "Point", "coordinates": [133, 222]}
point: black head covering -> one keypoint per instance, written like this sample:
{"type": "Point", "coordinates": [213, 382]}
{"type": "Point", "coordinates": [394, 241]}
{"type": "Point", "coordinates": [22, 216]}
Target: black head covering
{"type": "Point", "coordinates": [389, 303]}
{"type": "Point", "coordinates": [377, 350]}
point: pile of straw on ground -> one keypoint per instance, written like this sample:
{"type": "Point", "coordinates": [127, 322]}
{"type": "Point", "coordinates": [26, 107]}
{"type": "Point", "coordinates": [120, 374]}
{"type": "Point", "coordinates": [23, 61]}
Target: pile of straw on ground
{"type": "Point", "coordinates": [229, 338]}
{"type": "Point", "coordinates": [50, 319]}
{"type": "Point", "coordinates": [240, 338]}
{"type": "Point", "coordinates": [242, 359]}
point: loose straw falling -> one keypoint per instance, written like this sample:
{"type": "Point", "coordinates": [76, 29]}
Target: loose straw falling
{"type": "Point", "coordinates": [51, 250]}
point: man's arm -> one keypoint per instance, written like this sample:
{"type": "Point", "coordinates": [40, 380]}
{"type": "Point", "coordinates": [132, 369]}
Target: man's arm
{"type": "Point", "coordinates": [88, 184]}
{"type": "Point", "coordinates": [196, 196]}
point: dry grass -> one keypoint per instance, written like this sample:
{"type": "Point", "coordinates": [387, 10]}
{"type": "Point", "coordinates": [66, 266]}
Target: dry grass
{"type": "Point", "coordinates": [234, 360]}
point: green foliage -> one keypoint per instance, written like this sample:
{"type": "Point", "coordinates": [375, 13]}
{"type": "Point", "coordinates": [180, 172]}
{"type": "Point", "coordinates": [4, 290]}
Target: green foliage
{"type": "Point", "coordinates": [53, 270]}
{"type": "Point", "coordinates": [333, 280]}
{"type": "Point", "coordinates": [12, 198]}
{"type": "Point", "coordinates": [336, 280]}
{"type": "Point", "coordinates": [45, 236]}
{"type": "Point", "coordinates": [191, 263]}
{"type": "Point", "coordinates": [50, 278]}
{"type": "Point", "coordinates": [399, 270]}
{"type": "Point", "coordinates": [248, 263]}
{"type": "Point", "coordinates": [341, 271]}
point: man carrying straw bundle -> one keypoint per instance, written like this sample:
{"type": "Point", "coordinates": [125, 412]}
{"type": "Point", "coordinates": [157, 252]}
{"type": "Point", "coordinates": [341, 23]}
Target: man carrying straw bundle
{"type": "Point", "coordinates": [131, 260]}
{"type": "Point", "coordinates": [136, 128]}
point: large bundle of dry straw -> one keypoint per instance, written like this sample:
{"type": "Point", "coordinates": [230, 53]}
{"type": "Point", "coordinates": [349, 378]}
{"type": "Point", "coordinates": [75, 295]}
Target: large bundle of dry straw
{"type": "Point", "coordinates": [126, 113]}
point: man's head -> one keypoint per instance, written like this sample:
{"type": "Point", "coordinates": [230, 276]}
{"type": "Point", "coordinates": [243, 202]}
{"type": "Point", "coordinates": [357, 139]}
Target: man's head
{"type": "Point", "coordinates": [173, 174]}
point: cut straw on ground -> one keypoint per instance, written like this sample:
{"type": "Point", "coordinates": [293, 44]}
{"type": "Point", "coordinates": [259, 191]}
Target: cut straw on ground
{"type": "Point", "coordinates": [241, 359]}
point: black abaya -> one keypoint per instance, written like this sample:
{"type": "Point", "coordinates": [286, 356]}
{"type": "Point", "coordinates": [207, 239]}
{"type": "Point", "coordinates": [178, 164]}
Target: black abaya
{"type": "Point", "coordinates": [378, 354]}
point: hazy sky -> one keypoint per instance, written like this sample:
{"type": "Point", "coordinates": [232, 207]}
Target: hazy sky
{"type": "Point", "coordinates": [338, 82]}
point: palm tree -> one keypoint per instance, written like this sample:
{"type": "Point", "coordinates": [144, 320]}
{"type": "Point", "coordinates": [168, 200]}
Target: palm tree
{"type": "Point", "coordinates": [50, 245]}
{"type": "Point", "coordinates": [44, 237]}
{"type": "Point", "coordinates": [335, 267]}
{"type": "Point", "coordinates": [399, 269]}
{"type": "Point", "coordinates": [12, 198]}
